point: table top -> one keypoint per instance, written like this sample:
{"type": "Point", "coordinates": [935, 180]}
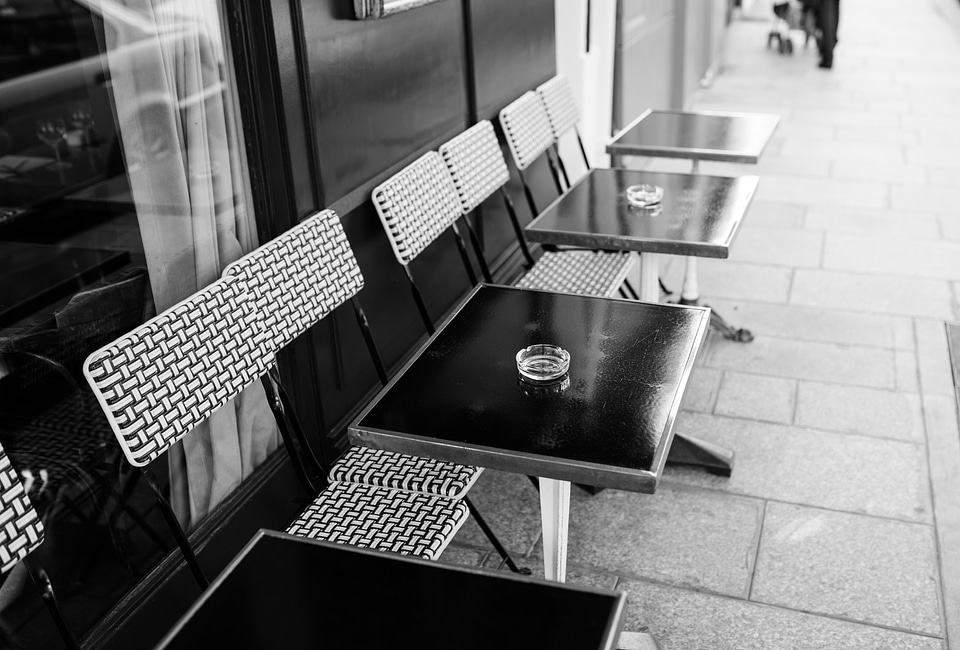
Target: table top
{"type": "Point", "coordinates": [283, 591]}
{"type": "Point", "coordinates": [701, 135]}
{"type": "Point", "coordinates": [698, 216]}
{"type": "Point", "coordinates": [460, 399]}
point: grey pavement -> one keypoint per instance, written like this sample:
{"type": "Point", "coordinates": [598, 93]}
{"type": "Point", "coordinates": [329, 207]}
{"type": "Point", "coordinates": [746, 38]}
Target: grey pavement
{"type": "Point", "coordinates": [840, 527]}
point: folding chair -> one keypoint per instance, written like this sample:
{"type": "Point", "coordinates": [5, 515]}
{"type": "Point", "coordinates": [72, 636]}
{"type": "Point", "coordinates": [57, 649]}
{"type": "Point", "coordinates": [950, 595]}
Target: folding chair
{"type": "Point", "coordinates": [296, 280]}
{"type": "Point", "coordinates": [21, 533]}
{"type": "Point", "coordinates": [159, 381]}
{"type": "Point", "coordinates": [527, 130]}
{"type": "Point", "coordinates": [476, 166]}
{"type": "Point", "coordinates": [563, 115]}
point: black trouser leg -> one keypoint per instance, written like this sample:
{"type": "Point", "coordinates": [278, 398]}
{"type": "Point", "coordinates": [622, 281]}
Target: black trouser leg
{"type": "Point", "coordinates": [829, 20]}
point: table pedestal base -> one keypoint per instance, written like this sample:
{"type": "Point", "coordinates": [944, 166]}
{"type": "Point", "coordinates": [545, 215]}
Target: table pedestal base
{"type": "Point", "coordinates": [687, 450]}
{"type": "Point", "coordinates": [554, 519]}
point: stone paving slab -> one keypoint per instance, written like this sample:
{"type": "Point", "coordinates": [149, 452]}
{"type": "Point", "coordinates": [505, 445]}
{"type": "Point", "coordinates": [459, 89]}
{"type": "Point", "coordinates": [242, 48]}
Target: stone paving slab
{"type": "Point", "coordinates": [728, 279]}
{"type": "Point", "coordinates": [778, 247]}
{"type": "Point", "coordinates": [511, 506]}
{"type": "Point", "coordinates": [810, 324]}
{"type": "Point", "coordinates": [875, 222]}
{"type": "Point", "coordinates": [844, 364]}
{"type": "Point", "coordinates": [852, 473]}
{"type": "Point", "coordinates": [866, 411]}
{"type": "Point", "coordinates": [698, 539]}
{"type": "Point", "coordinates": [877, 294]}
{"type": "Point", "coordinates": [757, 397]}
{"type": "Point", "coordinates": [683, 620]}
{"type": "Point", "coordinates": [864, 569]}
{"type": "Point", "coordinates": [888, 255]}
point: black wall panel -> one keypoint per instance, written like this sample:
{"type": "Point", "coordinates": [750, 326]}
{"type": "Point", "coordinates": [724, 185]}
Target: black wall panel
{"type": "Point", "coordinates": [377, 95]}
{"type": "Point", "coordinates": [381, 90]}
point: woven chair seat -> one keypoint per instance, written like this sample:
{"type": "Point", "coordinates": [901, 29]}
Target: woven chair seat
{"type": "Point", "coordinates": [389, 469]}
{"type": "Point", "coordinates": [385, 520]}
{"type": "Point", "coordinates": [583, 272]}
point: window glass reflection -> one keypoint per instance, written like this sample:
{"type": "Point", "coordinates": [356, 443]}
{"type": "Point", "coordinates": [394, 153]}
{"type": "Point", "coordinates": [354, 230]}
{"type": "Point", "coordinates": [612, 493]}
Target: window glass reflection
{"type": "Point", "coordinates": [122, 191]}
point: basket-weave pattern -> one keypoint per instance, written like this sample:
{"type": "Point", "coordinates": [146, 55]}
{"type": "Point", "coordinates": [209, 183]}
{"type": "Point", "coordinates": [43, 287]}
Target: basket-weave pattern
{"type": "Point", "coordinates": [162, 379]}
{"type": "Point", "coordinates": [20, 528]}
{"type": "Point", "coordinates": [476, 164]}
{"type": "Point", "coordinates": [299, 277]}
{"type": "Point", "coordinates": [557, 97]}
{"type": "Point", "coordinates": [382, 519]}
{"type": "Point", "coordinates": [416, 205]}
{"type": "Point", "coordinates": [527, 129]}
{"type": "Point", "coordinates": [389, 469]}
{"type": "Point", "coordinates": [582, 272]}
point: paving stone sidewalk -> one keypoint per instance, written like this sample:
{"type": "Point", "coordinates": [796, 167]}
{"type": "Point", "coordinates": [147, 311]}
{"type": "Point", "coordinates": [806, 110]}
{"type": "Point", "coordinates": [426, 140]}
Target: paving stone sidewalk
{"type": "Point", "coordinates": [840, 527]}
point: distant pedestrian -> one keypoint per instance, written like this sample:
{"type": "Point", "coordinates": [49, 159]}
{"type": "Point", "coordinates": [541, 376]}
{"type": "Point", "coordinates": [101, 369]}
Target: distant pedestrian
{"type": "Point", "coordinates": [828, 19]}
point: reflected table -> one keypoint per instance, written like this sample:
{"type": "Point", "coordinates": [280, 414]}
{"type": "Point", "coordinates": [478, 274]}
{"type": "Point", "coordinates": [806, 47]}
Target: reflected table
{"type": "Point", "coordinates": [608, 423]}
{"type": "Point", "coordinates": [283, 591]}
{"type": "Point", "coordinates": [696, 136]}
{"type": "Point", "coordinates": [698, 216]}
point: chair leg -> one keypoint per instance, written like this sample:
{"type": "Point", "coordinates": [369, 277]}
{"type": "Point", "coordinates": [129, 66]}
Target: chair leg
{"type": "Point", "coordinates": [504, 555]}
{"type": "Point", "coordinates": [563, 168]}
{"type": "Point", "coordinates": [40, 579]}
{"type": "Point", "coordinates": [517, 230]}
{"type": "Point", "coordinates": [583, 150]}
{"type": "Point", "coordinates": [177, 531]}
{"type": "Point", "coordinates": [631, 290]}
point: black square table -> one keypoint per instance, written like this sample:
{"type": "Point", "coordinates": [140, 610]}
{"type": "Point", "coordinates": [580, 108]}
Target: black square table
{"type": "Point", "coordinates": [696, 136]}
{"type": "Point", "coordinates": [609, 424]}
{"type": "Point", "coordinates": [698, 216]}
{"type": "Point", "coordinates": [700, 135]}
{"type": "Point", "coordinates": [284, 591]}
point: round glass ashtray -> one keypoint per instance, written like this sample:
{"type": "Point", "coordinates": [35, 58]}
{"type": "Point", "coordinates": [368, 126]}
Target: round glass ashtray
{"type": "Point", "coordinates": [542, 363]}
{"type": "Point", "coordinates": [644, 195]}
{"type": "Point", "coordinates": [543, 389]}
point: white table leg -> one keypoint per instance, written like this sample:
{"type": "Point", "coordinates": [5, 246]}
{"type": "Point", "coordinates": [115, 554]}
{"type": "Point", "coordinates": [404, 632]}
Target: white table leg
{"type": "Point", "coordinates": [554, 517]}
{"type": "Point", "coordinates": [649, 277]}
{"type": "Point", "coordinates": [690, 293]}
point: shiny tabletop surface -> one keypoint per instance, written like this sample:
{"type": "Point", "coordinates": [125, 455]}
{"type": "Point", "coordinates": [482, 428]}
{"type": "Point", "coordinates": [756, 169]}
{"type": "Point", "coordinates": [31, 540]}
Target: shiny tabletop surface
{"type": "Point", "coordinates": [459, 399]}
{"type": "Point", "coordinates": [698, 216]}
{"type": "Point", "coordinates": [725, 137]}
{"type": "Point", "coordinates": [283, 591]}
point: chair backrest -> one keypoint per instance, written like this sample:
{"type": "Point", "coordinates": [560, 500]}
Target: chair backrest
{"type": "Point", "coordinates": [476, 164]}
{"type": "Point", "coordinates": [170, 374]}
{"type": "Point", "coordinates": [561, 107]}
{"type": "Point", "coordinates": [299, 277]}
{"type": "Point", "coordinates": [416, 205]}
{"type": "Point", "coordinates": [526, 128]}
{"type": "Point", "coordinates": [20, 528]}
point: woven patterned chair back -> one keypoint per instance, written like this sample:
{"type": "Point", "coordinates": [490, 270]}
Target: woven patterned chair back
{"type": "Point", "coordinates": [557, 97]}
{"type": "Point", "coordinates": [416, 205]}
{"type": "Point", "coordinates": [299, 277]}
{"type": "Point", "coordinates": [170, 374]}
{"type": "Point", "coordinates": [20, 528]}
{"type": "Point", "coordinates": [476, 164]}
{"type": "Point", "coordinates": [527, 129]}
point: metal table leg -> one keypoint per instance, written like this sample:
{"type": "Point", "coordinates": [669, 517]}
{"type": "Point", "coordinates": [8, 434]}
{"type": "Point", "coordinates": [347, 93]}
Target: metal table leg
{"type": "Point", "coordinates": [690, 295]}
{"type": "Point", "coordinates": [554, 517]}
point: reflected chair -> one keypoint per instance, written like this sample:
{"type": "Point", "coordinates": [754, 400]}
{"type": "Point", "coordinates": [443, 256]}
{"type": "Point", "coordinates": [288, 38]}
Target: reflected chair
{"type": "Point", "coordinates": [21, 533]}
{"type": "Point", "coordinates": [298, 279]}
{"type": "Point", "coordinates": [158, 382]}
{"type": "Point", "coordinates": [563, 115]}
{"type": "Point", "coordinates": [475, 164]}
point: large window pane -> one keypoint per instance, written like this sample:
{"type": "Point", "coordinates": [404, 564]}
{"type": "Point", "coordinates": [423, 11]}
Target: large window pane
{"type": "Point", "coordinates": [122, 191]}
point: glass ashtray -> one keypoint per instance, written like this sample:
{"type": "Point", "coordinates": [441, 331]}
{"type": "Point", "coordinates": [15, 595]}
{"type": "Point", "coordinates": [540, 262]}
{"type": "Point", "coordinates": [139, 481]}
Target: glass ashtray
{"type": "Point", "coordinates": [543, 389]}
{"type": "Point", "coordinates": [542, 363]}
{"type": "Point", "coordinates": [644, 195]}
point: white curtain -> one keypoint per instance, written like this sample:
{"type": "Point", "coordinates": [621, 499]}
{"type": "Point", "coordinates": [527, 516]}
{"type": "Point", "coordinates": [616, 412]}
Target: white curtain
{"type": "Point", "coordinates": [181, 139]}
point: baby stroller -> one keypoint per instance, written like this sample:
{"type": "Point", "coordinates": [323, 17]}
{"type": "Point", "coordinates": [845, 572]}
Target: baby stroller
{"type": "Point", "coordinates": [788, 16]}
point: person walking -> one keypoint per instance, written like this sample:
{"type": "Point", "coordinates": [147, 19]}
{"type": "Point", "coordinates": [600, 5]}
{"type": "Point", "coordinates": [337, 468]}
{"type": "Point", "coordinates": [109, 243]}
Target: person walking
{"type": "Point", "coordinates": [828, 19]}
